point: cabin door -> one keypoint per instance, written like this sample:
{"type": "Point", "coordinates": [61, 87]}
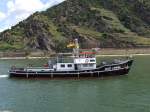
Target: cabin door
{"type": "Point", "coordinates": [76, 67]}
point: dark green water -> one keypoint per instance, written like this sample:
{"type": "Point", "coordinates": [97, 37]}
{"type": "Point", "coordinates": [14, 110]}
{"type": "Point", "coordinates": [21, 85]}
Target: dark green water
{"type": "Point", "coordinates": [112, 94]}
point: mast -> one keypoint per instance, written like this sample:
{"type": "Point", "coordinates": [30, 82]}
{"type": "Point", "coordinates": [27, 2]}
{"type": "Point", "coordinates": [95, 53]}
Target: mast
{"type": "Point", "coordinates": [76, 48]}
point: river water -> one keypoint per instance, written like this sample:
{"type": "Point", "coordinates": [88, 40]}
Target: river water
{"type": "Point", "coordinates": [130, 93]}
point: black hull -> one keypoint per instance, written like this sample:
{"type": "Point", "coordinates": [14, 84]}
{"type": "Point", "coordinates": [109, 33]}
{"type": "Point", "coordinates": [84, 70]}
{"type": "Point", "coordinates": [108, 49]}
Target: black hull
{"type": "Point", "coordinates": [100, 71]}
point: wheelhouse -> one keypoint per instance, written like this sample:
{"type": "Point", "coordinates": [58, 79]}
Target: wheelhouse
{"type": "Point", "coordinates": [84, 60]}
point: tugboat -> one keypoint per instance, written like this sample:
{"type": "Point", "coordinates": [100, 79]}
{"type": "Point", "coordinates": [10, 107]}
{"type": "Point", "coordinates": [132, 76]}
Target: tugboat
{"type": "Point", "coordinates": [79, 64]}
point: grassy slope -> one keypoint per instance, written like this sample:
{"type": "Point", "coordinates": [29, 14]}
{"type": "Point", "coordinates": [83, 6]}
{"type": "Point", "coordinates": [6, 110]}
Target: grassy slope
{"type": "Point", "coordinates": [97, 23]}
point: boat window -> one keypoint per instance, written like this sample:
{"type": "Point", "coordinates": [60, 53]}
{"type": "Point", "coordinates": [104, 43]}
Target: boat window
{"type": "Point", "coordinates": [69, 65]}
{"type": "Point", "coordinates": [92, 60]}
{"type": "Point", "coordinates": [62, 65]}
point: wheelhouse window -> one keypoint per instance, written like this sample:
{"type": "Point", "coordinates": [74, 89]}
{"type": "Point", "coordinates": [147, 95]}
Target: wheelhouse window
{"type": "Point", "coordinates": [62, 66]}
{"type": "Point", "coordinates": [69, 65]}
{"type": "Point", "coordinates": [92, 60]}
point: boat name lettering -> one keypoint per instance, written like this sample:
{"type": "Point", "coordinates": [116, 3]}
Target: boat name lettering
{"type": "Point", "coordinates": [116, 68]}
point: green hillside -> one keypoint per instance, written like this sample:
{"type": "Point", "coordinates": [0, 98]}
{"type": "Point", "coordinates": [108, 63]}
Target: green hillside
{"type": "Point", "coordinates": [96, 23]}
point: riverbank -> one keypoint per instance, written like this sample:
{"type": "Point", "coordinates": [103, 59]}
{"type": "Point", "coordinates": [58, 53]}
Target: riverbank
{"type": "Point", "coordinates": [102, 53]}
{"type": "Point", "coordinates": [136, 51]}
